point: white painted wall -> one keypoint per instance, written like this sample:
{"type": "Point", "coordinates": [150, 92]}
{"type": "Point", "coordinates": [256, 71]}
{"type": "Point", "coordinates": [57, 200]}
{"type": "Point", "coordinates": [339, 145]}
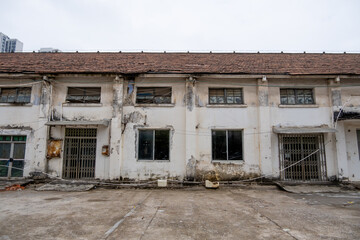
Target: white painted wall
{"type": "Point", "coordinates": [190, 130]}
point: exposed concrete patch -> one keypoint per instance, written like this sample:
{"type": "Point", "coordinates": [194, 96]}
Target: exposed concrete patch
{"type": "Point", "coordinates": [134, 117]}
{"type": "Point", "coordinates": [222, 172]}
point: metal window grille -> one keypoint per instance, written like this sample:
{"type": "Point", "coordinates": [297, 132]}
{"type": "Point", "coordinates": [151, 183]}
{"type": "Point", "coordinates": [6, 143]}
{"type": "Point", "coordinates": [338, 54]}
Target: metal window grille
{"type": "Point", "coordinates": [295, 147]}
{"type": "Point", "coordinates": [157, 95]}
{"type": "Point", "coordinates": [292, 96]}
{"type": "Point", "coordinates": [79, 153]}
{"type": "Point", "coordinates": [15, 95]}
{"type": "Point", "coordinates": [83, 95]}
{"type": "Point", "coordinates": [226, 96]}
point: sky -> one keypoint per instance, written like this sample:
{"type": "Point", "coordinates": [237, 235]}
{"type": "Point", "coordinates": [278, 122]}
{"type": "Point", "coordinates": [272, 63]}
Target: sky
{"type": "Point", "coordinates": [184, 25]}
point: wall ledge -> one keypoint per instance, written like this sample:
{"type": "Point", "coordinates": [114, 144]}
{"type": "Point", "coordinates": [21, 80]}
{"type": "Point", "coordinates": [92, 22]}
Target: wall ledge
{"type": "Point", "coordinates": [299, 106]}
{"type": "Point", "coordinates": [82, 105]}
{"type": "Point", "coordinates": [227, 105]}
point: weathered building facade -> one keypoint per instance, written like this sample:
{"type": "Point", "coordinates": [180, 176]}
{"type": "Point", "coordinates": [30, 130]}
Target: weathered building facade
{"type": "Point", "coordinates": [180, 115]}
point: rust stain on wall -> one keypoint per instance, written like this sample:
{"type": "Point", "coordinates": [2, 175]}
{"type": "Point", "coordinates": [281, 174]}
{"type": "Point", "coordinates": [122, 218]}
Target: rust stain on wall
{"type": "Point", "coordinates": [54, 148]}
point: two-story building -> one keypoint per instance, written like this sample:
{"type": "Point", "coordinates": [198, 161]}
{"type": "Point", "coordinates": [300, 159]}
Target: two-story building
{"type": "Point", "coordinates": [223, 116]}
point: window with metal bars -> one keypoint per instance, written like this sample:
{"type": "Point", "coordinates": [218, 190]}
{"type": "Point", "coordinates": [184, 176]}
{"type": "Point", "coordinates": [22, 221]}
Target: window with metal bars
{"type": "Point", "coordinates": [227, 145]}
{"type": "Point", "coordinates": [293, 96]}
{"type": "Point", "coordinates": [15, 95]}
{"type": "Point", "coordinates": [12, 155]}
{"type": "Point", "coordinates": [226, 96]}
{"type": "Point", "coordinates": [154, 144]}
{"type": "Point", "coordinates": [153, 95]}
{"type": "Point", "coordinates": [83, 95]}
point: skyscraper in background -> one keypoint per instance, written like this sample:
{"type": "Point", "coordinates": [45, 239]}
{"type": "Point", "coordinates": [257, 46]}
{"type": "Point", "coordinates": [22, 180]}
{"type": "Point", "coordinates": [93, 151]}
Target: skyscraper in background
{"type": "Point", "coordinates": [10, 44]}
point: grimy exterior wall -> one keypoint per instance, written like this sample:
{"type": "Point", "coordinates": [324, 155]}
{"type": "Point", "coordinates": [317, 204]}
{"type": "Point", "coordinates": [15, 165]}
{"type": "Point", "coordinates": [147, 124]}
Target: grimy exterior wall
{"type": "Point", "coordinates": [190, 120]}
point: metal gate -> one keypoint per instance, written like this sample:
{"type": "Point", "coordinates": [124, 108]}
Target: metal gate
{"type": "Point", "coordinates": [295, 147]}
{"type": "Point", "coordinates": [80, 153]}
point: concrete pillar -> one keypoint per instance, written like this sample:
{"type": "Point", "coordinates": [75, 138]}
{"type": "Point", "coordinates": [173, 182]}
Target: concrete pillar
{"type": "Point", "coordinates": [41, 132]}
{"type": "Point", "coordinates": [264, 127]}
{"type": "Point", "coordinates": [342, 163]}
{"type": "Point", "coordinates": [340, 137]}
{"type": "Point", "coordinates": [190, 129]}
{"type": "Point", "coordinates": [116, 129]}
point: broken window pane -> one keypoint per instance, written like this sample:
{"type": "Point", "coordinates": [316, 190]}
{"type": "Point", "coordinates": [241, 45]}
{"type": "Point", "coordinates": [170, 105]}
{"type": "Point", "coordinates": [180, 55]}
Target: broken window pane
{"type": "Point", "coordinates": [219, 145]}
{"type": "Point", "coordinates": [225, 96]}
{"type": "Point", "coordinates": [157, 95]}
{"type": "Point", "coordinates": [5, 150]}
{"type": "Point", "coordinates": [296, 96]}
{"type": "Point", "coordinates": [17, 170]}
{"type": "Point", "coordinates": [83, 95]}
{"type": "Point", "coordinates": [146, 144]}
{"type": "Point", "coordinates": [161, 144]}
{"type": "Point", "coordinates": [234, 145]}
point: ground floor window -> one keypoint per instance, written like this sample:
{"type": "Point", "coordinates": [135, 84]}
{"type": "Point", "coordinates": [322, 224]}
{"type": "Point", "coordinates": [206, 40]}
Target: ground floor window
{"type": "Point", "coordinates": [227, 145]}
{"type": "Point", "coordinates": [12, 154]}
{"type": "Point", "coordinates": [154, 144]}
{"type": "Point", "coordinates": [302, 156]}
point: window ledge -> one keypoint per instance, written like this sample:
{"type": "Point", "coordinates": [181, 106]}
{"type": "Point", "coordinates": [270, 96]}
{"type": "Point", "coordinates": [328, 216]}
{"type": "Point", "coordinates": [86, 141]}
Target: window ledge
{"type": "Point", "coordinates": [154, 105]}
{"type": "Point", "coordinates": [299, 106]}
{"type": "Point", "coordinates": [228, 161]}
{"type": "Point", "coordinates": [227, 105]}
{"type": "Point", "coordinates": [16, 104]}
{"type": "Point", "coordinates": [144, 160]}
{"type": "Point", "coordinates": [82, 104]}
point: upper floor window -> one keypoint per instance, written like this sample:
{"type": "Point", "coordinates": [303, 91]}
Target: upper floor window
{"type": "Point", "coordinates": [15, 95]}
{"type": "Point", "coordinates": [227, 145]}
{"type": "Point", "coordinates": [157, 95]}
{"type": "Point", "coordinates": [226, 96]}
{"type": "Point", "coordinates": [83, 95]}
{"type": "Point", "coordinates": [292, 96]}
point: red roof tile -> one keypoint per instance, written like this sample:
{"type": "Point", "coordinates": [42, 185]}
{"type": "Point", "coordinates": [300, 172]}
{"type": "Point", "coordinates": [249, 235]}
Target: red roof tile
{"type": "Point", "coordinates": [227, 63]}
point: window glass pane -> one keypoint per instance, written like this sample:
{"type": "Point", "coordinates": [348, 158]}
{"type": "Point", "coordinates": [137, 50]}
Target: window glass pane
{"type": "Point", "coordinates": [84, 94]}
{"type": "Point", "coordinates": [5, 150]}
{"type": "Point", "coordinates": [3, 168]}
{"type": "Point", "coordinates": [24, 95]}
{"type": "Point", "coordinates": [216, 96]}
{"type": "Point", "coordinates": [5, 138]}
{"type": "Point", "coordinates": [146, 144]}
{"type": "Point", "coordinates": [300, 99]}
{"type": "Point", "coordinates": [162, 144]}
{"type": "Point", "coordinates": [19, 151]}
{"type": "Point", "coordinates": [235, 145]}
{"type": "Point", "coordinates": [17, 170]}
{"type": "Point", "coordinates": [219, 145]}
{"type": "Point", "coordinates": [8, 95]}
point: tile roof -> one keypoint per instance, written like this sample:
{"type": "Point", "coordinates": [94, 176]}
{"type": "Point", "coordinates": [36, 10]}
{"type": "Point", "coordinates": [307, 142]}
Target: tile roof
{"type": "Point", "coordinates": [224, 63]}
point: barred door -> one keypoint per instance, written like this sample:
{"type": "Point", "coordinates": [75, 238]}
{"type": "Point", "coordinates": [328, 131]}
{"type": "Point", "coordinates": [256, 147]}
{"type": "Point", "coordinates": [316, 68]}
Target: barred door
{"type": "Point", "coordinates": [79, 153]}
{"type": "Point", "coordinates": [303, 157]}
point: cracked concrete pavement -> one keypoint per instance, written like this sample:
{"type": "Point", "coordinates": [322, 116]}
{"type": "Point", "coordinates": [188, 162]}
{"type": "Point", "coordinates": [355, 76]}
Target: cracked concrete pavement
{"type": "Point", "coordinates": [248, 212]}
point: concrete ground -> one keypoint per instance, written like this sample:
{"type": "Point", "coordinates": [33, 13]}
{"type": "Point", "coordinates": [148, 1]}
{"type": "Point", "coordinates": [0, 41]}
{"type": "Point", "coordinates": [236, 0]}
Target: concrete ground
{"type": "Point", "coordinates": [249, 212]}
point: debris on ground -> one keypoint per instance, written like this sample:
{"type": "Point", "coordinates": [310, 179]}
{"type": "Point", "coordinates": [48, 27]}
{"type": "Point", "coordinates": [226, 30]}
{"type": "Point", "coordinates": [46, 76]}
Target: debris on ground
{"type": "Point", "coordinates": [6, 185]}
{"type": "Point", "coordinates": [312, 188]}
{"type": "Point", "coordinates": [15, 187]}
{"type": "Point", "coordinates": [211, 185]}
{"type": "Point", "coordinates": [65, 187]}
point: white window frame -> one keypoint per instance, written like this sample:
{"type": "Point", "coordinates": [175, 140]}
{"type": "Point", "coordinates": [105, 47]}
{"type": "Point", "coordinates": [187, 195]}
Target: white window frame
{"type": "Point", "coordinates": [153, 147]}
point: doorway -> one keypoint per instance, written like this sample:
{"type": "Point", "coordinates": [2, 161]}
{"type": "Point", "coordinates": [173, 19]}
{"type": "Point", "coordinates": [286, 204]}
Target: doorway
{"type": "Point", "coordinates": [79, 153]}
{"type": "Point", "coordinates": [302, 156]}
